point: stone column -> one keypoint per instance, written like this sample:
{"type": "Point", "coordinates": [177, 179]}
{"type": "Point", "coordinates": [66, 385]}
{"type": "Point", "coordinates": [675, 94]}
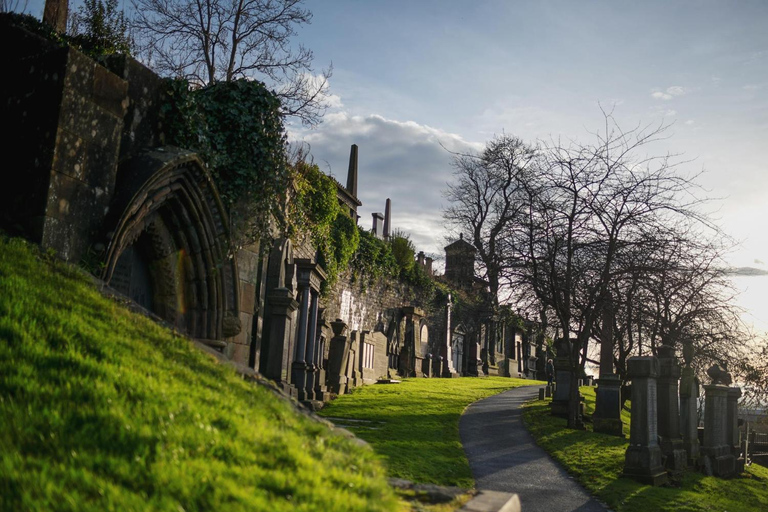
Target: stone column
{"type": "Point", "coordinates": [55, 14]}
{"type": "Point", "coordinates": [337, 358]}
{"type": "Point", "coordinates": [607, 416]}
{"type": "Point", "coordinates": [689, 394]}
{"type": "Point", "coordinates": [669, 411]}
{"type": "Point", "coordinates": [282, 307]}
{"type": "Point", "coordinates": [299, 366]}
{"type": "Point", "coordinates": [312, 345]}
{"type": "Point", "coordinates": [447, 352]}
{"type": "Point", "coordinates": [716, 452]}
{"type": "Point", "coordinates": [321, 389]}
{"type": "Point", "coordinates": [642, 460]}
{"type": "Point", "coordinates": [734, 393]}
{"type": "Point", "coordinates": [561, 396]}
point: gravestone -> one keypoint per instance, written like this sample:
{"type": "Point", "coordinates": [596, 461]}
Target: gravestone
{"type": "Point", "coordinates": [670, 440]}
{"type": "Point", "coordinates": [716, 451]}
{"type": "Point", "coordinates": [559, 406]}
{"type": "Point", "coordinates": [338, 353]}
{"type": "Point", "coordinates": [642, 460]}
{"type": "Point", "coordinates": [607, 416]}
{"type": "Point", "coordinates": [689, 420]}
{"type": "Point", "coordinates": [734, 393]}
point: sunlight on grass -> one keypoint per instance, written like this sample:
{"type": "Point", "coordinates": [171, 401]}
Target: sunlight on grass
{"type": "Point", "coordinates": [414, 425]}
{"type": "Point", "coordinates": [597, 461]}
{"type": "Point", "coordinates": [102, 409]}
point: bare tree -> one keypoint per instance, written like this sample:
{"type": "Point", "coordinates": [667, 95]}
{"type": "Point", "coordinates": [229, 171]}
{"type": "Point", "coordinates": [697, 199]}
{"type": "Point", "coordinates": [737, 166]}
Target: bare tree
{"type": "Point", "coordinates": [486, 202]}
{"type": "Point", "coordinates": [19, 6]}
{"type": "Point", "coordinates": [207, 41]}
{"type": "Point", "coordinates": [589, 209]}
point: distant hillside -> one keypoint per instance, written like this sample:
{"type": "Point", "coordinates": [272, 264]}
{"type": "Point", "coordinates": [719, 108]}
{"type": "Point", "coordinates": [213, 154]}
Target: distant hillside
{"type": "Point", "coordinates": [101, 409]}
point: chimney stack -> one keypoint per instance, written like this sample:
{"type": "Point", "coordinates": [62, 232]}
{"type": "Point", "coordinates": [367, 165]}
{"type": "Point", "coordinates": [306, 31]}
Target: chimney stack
{"type": "Point", "coordinates": [352, 173]}
{"type": "Point", "coordinates": [387, 220]}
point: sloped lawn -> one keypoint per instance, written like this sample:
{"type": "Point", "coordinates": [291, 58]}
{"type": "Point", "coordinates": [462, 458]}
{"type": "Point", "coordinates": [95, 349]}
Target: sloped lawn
{"type": "Point", "coordinates": [101, 409]}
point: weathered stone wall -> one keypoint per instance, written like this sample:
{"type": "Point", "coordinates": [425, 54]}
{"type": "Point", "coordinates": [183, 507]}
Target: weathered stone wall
{"type": "Point", "coordinates": [67, 115]}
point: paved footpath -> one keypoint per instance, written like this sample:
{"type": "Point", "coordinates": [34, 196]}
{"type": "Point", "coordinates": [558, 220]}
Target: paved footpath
{"type": "Point", "coordinates": [503, 457]}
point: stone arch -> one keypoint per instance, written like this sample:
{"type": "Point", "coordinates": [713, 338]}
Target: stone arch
{"type": "Point", "coordinates": [167, 216]}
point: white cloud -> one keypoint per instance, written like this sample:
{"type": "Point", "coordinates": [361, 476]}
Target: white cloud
{"type": "Point", "coordinates": [690, 122]}
{"type": "Point", "coordinates": [671, 92]}
{"type": "Point", "coordinates": [402, 160]}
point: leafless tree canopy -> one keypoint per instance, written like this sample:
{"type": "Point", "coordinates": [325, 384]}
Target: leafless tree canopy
{"type": "Point", "coordinates": [222, 40]}
{"type": "Point", "coordinates": [611, 242]}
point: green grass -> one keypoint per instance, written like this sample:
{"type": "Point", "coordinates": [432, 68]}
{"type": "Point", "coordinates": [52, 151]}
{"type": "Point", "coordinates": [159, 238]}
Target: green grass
{"type": "Point", "coordinates": [101, 409]}
{"type": "Point", "coordinates": [414, 425]}
{"type": "Point", "coordinates": [597, 460]}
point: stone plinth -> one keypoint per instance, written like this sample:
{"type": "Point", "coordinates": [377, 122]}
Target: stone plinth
{"type": "Point", "coordinates": [607, 416]}
{"type": "Point", "coordinates": [732, 435]}
{"type": "Point", "coordinates": [689, 422]}
{"type": "Point", "coordinates": [670, 440]}
{"type": "Point", "coordinates": [643, 457]}
{"type": "Point", "coordinates": [716, 452]}
{"type": "Point", "coordinates": [559, 406]}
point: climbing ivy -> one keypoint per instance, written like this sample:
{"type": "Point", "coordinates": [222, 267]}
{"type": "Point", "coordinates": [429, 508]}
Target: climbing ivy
{"type": "Point", "coordinates": [236, 128]}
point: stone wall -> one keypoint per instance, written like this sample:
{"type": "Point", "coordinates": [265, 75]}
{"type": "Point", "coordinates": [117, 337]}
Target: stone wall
{"type": "Point", "coordinates": [67, 114]}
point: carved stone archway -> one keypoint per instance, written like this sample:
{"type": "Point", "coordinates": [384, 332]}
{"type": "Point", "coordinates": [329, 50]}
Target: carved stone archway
{"type": "Point", "coordinates": [169, 242]}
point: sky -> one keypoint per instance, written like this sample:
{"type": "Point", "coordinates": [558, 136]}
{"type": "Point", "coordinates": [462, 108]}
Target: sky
{"type": "Point", "coordinates": [411, 76]}
{"type": "Point", "coordinates": [414, 80]}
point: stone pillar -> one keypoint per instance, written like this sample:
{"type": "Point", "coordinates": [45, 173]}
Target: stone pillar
{"type": "Point", "coordinates": [642, 460]}
{"type": "Point", "coordinates": [716, 452]}
{"type": "Point", "coordinates": [607, 416]}
{"type": "Point", "coordinates": [312, 347]}
{"type": "Point", "coordinates": [689, 394]}
{"type": "Point", "coordinates": [734, 393]}
{"type": "Point", "coordinates": [446, 351]}
{"type": "Point", "coordinates": [559, 405]}
{"type": "Point", "coordinates": [321, 390]}
{"type": "Point", "coordinates": [55, 14]}
{"type": "Point", "coordinates": [669, 411]}
{"type": "Point", "coordinates": [282, 308]}
{"type": "Point", "coordinates": [338, 354]}
{"type": "Point", "coordinates": [299, 365]}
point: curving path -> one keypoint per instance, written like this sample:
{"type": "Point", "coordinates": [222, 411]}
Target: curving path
{"type": "Point", "coordinates": [504, 457]}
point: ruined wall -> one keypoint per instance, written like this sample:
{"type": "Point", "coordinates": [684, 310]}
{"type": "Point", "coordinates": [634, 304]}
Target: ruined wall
{"type": "Point", "coordinates": [67, 114]}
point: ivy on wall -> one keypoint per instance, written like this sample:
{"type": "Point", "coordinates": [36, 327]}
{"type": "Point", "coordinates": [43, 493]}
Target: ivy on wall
{"type": "Point", "coordinates": [236, 128]}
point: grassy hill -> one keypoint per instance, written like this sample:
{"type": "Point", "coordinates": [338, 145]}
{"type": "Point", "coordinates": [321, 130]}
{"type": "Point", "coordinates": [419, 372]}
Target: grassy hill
{"type": "Point", "coordinates": [102, 409]}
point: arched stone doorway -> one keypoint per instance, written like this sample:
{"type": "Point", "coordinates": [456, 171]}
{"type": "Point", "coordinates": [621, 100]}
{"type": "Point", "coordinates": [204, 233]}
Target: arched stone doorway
{"type": "Point", "coordinates": [169, 245]}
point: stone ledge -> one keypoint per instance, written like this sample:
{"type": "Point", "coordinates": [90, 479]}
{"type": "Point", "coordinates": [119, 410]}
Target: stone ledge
{"type": "Point", "coordinates": [493, 501]}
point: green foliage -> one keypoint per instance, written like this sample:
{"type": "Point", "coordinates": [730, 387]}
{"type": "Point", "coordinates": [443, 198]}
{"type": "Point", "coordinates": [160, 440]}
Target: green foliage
{"type": "Point", "coordinates": [414, 425]}
{"type": "Point", "coordinates": [341, 247]}
{"type": "Point", "coordinates": [597, 461]}
{"type": "Point", "coordinates": [403, 251]}
{"type": "Point", "coordinates": [100, 27]}
{"type": "Point", "coordinates": [374, 259]}
{"type": "Point", "coordinates": [237, 129]}
{"type": "Point", "coordinates": [314, 204]}
{"type": "Point", "coordinates": [102, 409]}
{"type": "Point", "coordinates": [95, 45]}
